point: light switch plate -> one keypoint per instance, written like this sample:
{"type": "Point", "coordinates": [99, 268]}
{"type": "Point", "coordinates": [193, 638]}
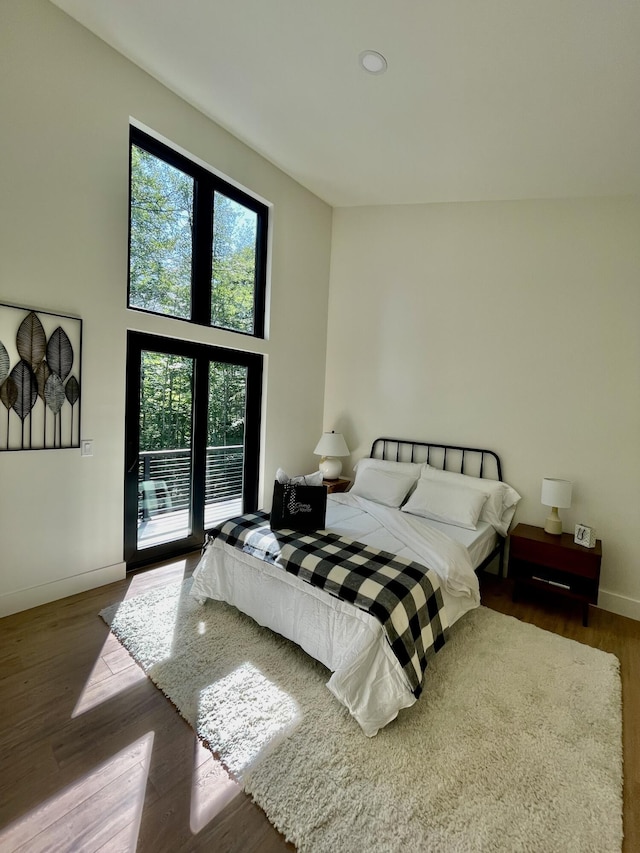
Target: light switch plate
{"type": "Point", "coordinates": [86, 447]}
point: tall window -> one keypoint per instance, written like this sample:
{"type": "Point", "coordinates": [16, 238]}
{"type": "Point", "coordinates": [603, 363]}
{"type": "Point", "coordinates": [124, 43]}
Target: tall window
{"type": "Point", "coordinates": [197, 253]}
{"type": "Point", "coordinates": [198, 245]}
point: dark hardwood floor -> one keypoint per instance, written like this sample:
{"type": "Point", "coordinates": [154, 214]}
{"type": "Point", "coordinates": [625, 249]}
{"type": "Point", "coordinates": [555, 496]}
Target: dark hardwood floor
{"type": "Point", "coordinates": [94, 758]}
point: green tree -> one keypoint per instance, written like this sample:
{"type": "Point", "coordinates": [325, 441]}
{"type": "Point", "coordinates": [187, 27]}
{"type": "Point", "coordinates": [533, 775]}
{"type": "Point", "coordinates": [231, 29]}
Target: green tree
{"type": "Point", "coordinates": [227, 399]}
{"type": "Point", "coordinates": [165, 402]}
{"type": "Point", "coordinates": [160, 236]}
{"type": "Point", "coordinates": [166, 397]}
{"type": "Point", "coordinates": [233, 265]}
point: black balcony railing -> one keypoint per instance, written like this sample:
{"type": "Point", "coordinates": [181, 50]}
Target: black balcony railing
{"type": "Point", "coordinates": [164, 479]}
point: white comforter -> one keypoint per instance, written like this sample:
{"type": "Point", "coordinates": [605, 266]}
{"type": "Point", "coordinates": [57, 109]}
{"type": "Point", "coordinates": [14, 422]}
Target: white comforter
{"type": "Point", "coordinates": [366, 676]}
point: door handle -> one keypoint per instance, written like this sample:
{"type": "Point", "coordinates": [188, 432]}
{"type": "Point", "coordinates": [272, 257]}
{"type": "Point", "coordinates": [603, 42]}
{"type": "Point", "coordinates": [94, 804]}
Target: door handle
{"type": "Point", "coordinates": [131, 454]}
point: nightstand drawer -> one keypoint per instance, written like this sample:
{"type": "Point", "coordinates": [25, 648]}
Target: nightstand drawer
{"type": "Point", "coordinates": [556, 580]}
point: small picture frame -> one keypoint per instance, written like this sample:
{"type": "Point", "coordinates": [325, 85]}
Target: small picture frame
{"type": "Point", "coordinates": [585, 535]}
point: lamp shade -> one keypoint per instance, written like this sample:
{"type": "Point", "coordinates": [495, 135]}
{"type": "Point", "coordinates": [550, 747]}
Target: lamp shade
{"type": "Point", "coordinates": [332, 444]}
{"type": "Point", "coordinates": [556, 493]}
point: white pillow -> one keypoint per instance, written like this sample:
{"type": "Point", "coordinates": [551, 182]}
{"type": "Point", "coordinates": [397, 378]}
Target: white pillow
{"type": "Point", "coordinates": [499, 507]}
{"type": "Point", "coordinates": [446, 502]}
{"type": "Point", "coordinates": [382, 485]}
{"type": "Point", "coordinates": [413, 469]}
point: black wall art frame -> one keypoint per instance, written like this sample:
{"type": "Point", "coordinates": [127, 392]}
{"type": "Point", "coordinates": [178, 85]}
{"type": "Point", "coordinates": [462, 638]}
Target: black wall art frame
{"type": "Point", "coordinates": [40, 389]}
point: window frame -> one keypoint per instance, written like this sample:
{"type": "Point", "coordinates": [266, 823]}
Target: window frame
{"type": "Point", "coordinates": [206, 184]}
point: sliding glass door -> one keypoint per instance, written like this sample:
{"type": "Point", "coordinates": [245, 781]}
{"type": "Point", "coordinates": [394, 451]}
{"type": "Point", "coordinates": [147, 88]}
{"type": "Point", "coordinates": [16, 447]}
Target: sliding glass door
{"type": "Point", "coordinates": [192, 433]}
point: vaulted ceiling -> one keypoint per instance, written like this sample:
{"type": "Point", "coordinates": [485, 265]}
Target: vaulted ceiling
{"type": "Point", "coordinates": [481, 100]}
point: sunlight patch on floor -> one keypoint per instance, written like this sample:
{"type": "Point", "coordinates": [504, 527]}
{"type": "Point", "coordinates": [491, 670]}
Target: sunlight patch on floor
{"type": "Point", "coordinates": [115, 670]}
{"type": "Point", "coordinates": [89, 813]}
{"type": "Point", "coordinates": [171, 573]}
{"type": "Point", "coordinates": [211, 789]}
{"type": "Point", "coordinates": [247, 716]}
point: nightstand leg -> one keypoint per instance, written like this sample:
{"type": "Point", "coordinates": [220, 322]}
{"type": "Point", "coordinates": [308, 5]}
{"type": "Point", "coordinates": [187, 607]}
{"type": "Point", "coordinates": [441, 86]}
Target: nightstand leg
{"type": "Point", "coordinates": [585, 615]}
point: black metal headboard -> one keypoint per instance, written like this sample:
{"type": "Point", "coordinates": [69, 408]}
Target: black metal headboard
{"type": "Point", "coordinates": [473, 461]}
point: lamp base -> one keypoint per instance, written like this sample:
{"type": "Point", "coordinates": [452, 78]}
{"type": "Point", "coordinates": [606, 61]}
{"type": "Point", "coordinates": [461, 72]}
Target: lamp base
{"type": "Point", "coordinates": [553, 523]}
{"type": "Point", "coordinates": [331, 467]}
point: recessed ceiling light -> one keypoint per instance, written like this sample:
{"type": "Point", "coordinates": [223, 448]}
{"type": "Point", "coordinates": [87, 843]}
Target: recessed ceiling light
{"type": "Point", "coordinates": [373, 62]}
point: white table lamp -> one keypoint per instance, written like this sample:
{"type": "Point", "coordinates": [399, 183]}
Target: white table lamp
{"type": "Point", "coordinates": [556, 494]}
{"type": "Point", "coordinates": [331, 446]}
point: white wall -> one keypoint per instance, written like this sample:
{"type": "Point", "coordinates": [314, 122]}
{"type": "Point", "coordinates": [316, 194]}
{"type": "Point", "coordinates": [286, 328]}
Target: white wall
{"type": "Point", "coordinates": [65, 101]}
{"type": "Point", "coordinates": [511, 326]}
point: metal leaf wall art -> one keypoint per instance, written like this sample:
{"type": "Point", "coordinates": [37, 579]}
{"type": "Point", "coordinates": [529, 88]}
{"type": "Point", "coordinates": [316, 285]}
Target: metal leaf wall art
{"type": "Point", "coordinates": [72, 393]}
{"type": "Point", "coordinates": [5, 363]}
{"type": "Point", "coordinates": [40, 356]}
{"type": "Point", "coordinates": [31, 340]}
{"type": "Point", "coordinates": [60, 353]}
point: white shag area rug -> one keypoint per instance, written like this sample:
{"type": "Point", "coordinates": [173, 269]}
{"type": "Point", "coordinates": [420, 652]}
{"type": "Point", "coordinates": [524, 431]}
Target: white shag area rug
{"type": "Point", "coordinates": [515, 744]}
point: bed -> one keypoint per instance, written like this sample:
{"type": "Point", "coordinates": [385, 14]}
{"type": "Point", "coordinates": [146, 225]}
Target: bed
{"type": "Point", "coordinates": [437, 506]}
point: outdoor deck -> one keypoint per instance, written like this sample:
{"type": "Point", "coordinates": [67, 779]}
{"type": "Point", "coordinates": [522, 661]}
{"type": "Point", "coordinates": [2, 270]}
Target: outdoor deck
{"type": "Point", "coordinates": [164, 491]}
{"type": "Point", "coordinates": [167, 526]}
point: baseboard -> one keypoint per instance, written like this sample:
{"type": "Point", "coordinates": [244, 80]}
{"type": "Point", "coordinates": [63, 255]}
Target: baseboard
{"type": "Point", "coordinates": [24, 599]}
{"type": "Point", "coordinates": [619, 604]}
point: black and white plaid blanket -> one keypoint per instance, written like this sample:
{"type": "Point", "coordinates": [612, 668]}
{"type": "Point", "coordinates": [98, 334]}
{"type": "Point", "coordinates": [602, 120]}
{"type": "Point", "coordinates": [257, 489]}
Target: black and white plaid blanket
{"type": "Point", "coordinates": [404, 596]}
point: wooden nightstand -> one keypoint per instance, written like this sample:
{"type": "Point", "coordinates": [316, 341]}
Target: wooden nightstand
{"type": "Point", "coordinates": [339, 485]}
{"type": "Point", "coordinates": [556, 564]}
